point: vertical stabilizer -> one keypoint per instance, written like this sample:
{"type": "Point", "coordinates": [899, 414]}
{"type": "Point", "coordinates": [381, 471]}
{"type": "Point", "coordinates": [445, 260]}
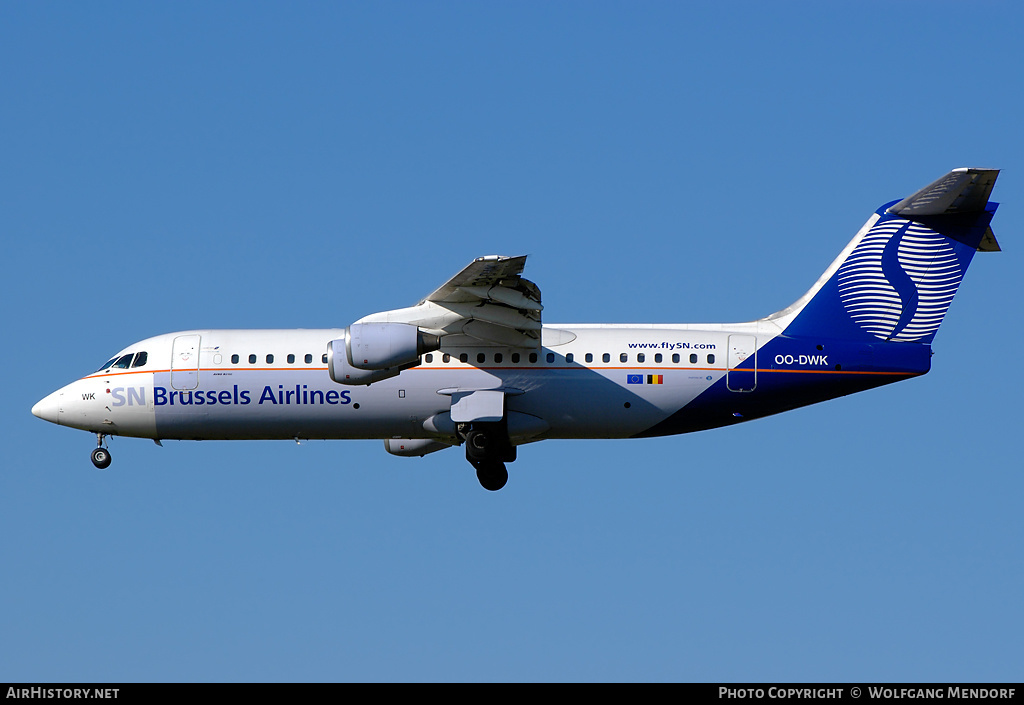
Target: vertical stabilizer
{"type": "Point", "coordinates": [895, 280]}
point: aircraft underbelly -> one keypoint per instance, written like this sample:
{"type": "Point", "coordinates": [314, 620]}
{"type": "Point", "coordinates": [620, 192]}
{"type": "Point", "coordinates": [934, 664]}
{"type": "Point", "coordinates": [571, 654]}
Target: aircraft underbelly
{"type": "Point", "coordinates": [301, 403]}
{"type": "Point", "coordinates": [614, 404]}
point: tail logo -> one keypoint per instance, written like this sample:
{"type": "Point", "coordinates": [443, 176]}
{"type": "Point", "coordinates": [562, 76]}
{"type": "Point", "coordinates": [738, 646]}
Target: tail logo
{"type": "Point", "coordinates": [899, 280]}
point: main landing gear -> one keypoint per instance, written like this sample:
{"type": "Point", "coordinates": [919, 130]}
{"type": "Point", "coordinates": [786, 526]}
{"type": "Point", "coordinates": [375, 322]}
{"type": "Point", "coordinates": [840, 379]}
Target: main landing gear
{"type": "Point", "coordinates": [491, 474]}
{"type": "Point", "coordinates": [488, 449]}
{"type": "Point", "coordinates": [101, 456]}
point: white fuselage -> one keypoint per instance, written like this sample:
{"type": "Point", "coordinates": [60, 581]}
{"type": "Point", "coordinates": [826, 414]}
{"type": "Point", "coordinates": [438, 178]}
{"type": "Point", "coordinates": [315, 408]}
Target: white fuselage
{"type": "Point", "coordinates": [586, 381]}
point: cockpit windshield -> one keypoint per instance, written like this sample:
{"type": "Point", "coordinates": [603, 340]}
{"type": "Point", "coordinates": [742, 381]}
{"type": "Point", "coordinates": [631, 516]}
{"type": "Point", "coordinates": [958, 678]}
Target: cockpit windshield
{"type": "Point", "coordinates": [123, 362]}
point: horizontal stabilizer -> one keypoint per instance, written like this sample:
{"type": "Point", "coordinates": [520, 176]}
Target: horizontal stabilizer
{"type": "Point", "coordinates": [964, 190]}
{"type": "Point", "coordinates": [988, 242]}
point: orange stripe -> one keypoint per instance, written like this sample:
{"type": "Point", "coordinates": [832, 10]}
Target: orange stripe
{"type": "Point", "coordinates": [838, 372]}
{"type": "Point", "coordinates": [208, 369]}
{"type": "Point", "coordinates": [640, 370]}
{"type": "Point", "coordinates": [116, 374]}
{"type": "Point", "coordinates": [465, 366]}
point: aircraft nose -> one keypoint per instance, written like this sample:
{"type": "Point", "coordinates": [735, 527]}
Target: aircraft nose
{"type": "Point", "coordinates": [48, 408]}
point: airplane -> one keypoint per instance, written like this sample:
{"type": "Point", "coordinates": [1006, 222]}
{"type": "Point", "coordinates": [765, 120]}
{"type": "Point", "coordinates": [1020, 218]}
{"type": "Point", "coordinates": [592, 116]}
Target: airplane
{"type": "Point", "coordinates": [473, 365]}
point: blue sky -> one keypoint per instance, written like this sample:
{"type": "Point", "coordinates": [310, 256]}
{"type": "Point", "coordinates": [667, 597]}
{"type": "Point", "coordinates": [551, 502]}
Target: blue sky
{"type": "Point", "coordinates": [167, 167]}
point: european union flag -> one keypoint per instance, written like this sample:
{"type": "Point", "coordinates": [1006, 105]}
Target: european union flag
{"type": "Point", "coordinates": [634, 379]}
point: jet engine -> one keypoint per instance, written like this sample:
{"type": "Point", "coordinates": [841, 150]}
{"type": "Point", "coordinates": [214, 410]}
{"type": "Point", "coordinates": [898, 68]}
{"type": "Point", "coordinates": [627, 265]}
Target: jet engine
{"type": "Point", "coordinates": [370, 352]}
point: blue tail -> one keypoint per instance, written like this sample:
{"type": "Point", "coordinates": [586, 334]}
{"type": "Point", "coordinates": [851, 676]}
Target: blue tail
{"type": "Point", "coordinates": [895, 280]}
{"type": "Point", "coordinates": [871, 317]}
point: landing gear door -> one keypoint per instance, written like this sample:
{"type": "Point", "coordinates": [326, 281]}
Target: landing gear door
{"type": "Point", "coordinates": [185, 362]}
{"type": "Point", "coordinates": [480, 406]}
{"type": "Point", "coordinates": [742, 363]}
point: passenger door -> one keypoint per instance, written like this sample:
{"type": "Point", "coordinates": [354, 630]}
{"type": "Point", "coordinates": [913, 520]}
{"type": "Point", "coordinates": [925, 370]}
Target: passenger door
{"type": "Point", "coordinates": [741, 349]}
{"type": "Point", "coordinates": [185, 362]}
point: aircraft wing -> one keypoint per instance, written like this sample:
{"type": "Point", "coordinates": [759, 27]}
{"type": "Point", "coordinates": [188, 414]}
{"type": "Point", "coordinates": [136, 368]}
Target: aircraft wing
{"type": "Point", "coordinates": [489, 300]}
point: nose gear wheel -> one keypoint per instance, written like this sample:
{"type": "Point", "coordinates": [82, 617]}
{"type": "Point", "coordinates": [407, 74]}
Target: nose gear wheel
{"type": "Point", "coordinates": [101, 456]}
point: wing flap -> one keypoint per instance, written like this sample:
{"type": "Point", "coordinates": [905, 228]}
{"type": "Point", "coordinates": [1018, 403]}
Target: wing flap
{"type": "Point", "coordinates": [497, 314]}
{"type": "Point", "coordinates": [491, 333]}
{"type": "Point", "coordinates": [488, 301]}
{"type": "Point", "coordinates": [503, 294]}
{"type": "Point", "coordinates": [493, 301]}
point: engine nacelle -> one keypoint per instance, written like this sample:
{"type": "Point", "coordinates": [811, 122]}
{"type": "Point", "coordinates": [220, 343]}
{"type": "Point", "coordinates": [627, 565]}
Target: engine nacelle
{"type": "Point", "coordinates": [377, 346]}
{"type": "Point", "coordinates": [344, 373]}
{"type": "Point", "coordinates": [413, 447]}
{"type": "Point", "coordinates": [370, 352]}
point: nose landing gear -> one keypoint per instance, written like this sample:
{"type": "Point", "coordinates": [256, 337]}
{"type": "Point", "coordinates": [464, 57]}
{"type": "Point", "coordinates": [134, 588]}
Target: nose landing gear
{"type": "Point", "coordinates": [101, 456]}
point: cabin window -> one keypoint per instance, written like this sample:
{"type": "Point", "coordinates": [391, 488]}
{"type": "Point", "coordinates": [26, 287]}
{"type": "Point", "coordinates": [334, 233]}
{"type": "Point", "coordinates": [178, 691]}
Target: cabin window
{"type": "Point", "coordinates": [711, 359]}
{"type": "Point", "coordinates": [252, 359]}
{"type": "Point", "coordinates": [623, 357]}
{"type": "Point", "coordinates": [446, 358]}
{"type": "Point", "coordinates": [550, 358]}
{"type": "Point", "coordinates": [428, 358]}
{"type": "Point", "coordinates": [515, 358]}
{"type": "Point", "coordinates": [323, 358]}
{"type": "Point", "coordinates": [140, 359]}
{"type": "Point", "coordinates": [464, 357]}
{"type": "Point", "coordinates": [606, 357]}
{"type": "Point", "coordinates": [308, 358]}
{"type": "Point", "coordinates": [640, 357]}
{"type": "Point", "coordinates": [693, 359]}
{"type": "Point", "coordinates": [270, 359]}
{"type": "Point", "coordinates": [569, 357]}
{"type": "Point", "coordinates": [657, 357]}
{"type": "Point", "coordinates": [589, 357]}
{"type": "Point", "coordinates": [234, 359]}
{"type": "Point", "coordinates": [291, 359]}
{"type": "Point", "coordinates": [498, 357]}
{"type": "Point", "coordinates": [533, 357]}
{"type": "Point", "coordinates": [675, 358]}
{"type": "Point", "coordinates": [480, 357]}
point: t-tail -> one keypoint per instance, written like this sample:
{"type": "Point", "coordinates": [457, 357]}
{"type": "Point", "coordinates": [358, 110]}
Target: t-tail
{"type": "Point", "coordinates": [895, 280]}
{"type": "Point", "coordinates": [868, 321]}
